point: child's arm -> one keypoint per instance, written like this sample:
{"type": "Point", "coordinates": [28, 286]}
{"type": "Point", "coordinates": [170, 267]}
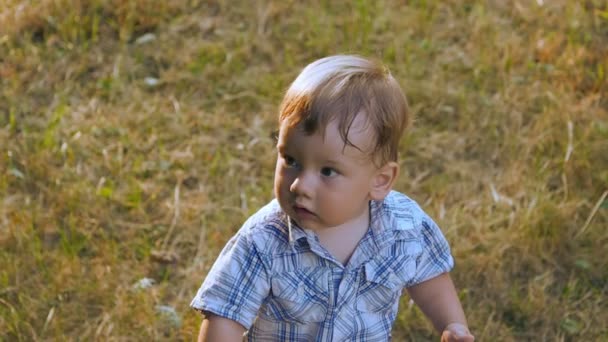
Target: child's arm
{"type": "Point", "coordinates": [438, 300]}
{"type": "Point", "coordinates": [219, 329]}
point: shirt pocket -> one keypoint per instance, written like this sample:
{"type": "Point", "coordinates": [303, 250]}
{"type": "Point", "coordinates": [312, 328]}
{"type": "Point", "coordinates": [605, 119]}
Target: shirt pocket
{"type": "Point", "coordinates": [382, 282]}
{"type": "Point", "coordinates": [298, 297]}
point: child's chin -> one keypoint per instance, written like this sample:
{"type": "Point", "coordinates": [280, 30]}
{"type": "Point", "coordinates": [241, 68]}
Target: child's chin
{"type": "Point", "coordinates": [303, 223]}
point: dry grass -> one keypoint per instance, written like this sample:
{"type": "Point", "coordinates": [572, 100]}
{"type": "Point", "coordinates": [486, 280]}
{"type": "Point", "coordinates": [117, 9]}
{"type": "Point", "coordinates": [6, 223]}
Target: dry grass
{"type": "Point", "coordinates": [123, 158]}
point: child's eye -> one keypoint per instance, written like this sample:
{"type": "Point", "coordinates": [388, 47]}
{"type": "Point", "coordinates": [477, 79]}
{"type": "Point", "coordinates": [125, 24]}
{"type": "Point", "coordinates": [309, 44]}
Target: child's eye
{"type": "Point", "coordinates": [289, 161]}
{"type": "Point", "coordinates": [328, 172]}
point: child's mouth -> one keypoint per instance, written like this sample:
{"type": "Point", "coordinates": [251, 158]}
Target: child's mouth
{"type": "Point", "coordinates": [302, 212]}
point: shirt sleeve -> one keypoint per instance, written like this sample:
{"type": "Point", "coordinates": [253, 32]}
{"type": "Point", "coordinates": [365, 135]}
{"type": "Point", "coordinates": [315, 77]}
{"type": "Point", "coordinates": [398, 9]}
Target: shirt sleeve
{"type": "Point", "coordinates": [237, 283]}
{"type": "Point", "coordinates": [435, 257]}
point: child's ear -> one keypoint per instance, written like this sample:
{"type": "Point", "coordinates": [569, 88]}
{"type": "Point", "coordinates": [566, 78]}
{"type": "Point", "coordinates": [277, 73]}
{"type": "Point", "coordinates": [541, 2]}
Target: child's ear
{"type": "Point", "coordinates": [383, 180]}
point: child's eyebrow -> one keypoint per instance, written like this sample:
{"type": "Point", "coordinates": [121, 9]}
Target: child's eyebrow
{"type": "Point", "coordinates": [332, 162]}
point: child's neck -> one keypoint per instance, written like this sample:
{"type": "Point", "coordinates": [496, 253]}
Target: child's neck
{"type": "Point", "coordinates": [341, 241]}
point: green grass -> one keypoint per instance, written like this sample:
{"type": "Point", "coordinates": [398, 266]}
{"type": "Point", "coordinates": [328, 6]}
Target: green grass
{"type": "Point", "coordinates": [108, 177]}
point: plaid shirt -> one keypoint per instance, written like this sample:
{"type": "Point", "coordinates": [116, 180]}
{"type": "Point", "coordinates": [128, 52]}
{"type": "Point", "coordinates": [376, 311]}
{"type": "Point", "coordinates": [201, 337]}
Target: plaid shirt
{"type": "Point", "coordinates": [276, 279]}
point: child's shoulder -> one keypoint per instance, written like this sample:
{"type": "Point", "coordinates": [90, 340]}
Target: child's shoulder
{"type": "Point", "coordinates": [267, 228]}
{"type": "Point", "coordinates": [398, 203]}
{"type": "Point", "coordinates": [405, 211]}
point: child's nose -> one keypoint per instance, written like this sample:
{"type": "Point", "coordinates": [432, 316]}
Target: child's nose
{"type": "Point", "coordinates": [302, 185]}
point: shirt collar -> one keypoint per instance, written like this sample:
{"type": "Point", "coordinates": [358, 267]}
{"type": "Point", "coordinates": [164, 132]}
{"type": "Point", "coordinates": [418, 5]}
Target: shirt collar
{"type": "Point", "coordinates": [388, 219]}
{"type": "Point", "coordinates": [295, 232]}
{"type": "Point", "coordinates": [380, 225]}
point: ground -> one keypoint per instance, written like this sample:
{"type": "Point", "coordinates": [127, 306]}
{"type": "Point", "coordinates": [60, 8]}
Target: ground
{"type": "Point", "coordinates": [136, 137]}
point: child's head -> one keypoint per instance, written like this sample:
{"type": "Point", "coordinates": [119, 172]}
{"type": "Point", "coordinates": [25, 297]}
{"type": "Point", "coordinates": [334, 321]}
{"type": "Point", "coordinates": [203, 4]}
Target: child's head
{"type": "Point", "coordinates": [341, 88]}
{"type": "Point", "coordinates": [340, 125]}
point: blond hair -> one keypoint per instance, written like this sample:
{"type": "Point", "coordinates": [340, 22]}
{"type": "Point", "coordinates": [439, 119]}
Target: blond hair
{"type": "Point", "coordinates": [341, 88]}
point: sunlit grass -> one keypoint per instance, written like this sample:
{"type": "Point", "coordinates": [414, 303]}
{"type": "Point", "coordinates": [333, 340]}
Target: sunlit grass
{"type": "Point", "coordinates": [136, 137]}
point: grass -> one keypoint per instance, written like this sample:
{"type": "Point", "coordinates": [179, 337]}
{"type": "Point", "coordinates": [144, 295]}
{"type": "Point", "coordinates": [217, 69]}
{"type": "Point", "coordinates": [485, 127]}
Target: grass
{"type": "Point", "coordinates": [136, 138]}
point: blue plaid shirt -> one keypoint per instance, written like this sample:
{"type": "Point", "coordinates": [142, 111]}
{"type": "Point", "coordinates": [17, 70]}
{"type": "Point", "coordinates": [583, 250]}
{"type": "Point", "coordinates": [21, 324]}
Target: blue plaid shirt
{"type": "Point", "coordinates": [276, 279]}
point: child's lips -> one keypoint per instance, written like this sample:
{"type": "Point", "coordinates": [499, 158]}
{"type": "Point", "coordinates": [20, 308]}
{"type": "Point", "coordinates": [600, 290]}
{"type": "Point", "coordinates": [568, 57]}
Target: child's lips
{"type": "Point", "coordinates": [302, 211]}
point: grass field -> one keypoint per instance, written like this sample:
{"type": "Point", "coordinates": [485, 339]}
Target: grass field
{"type": "Point", "coordinates": [135, 138]}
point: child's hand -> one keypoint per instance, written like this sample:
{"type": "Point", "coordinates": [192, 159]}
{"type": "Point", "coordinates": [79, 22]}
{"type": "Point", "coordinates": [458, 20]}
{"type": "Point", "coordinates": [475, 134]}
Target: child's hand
{"type": "Point", "coordinates": [457, 332]}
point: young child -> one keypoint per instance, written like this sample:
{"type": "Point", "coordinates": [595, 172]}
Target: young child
{"type": "Point", "coordinates": [327, 260]}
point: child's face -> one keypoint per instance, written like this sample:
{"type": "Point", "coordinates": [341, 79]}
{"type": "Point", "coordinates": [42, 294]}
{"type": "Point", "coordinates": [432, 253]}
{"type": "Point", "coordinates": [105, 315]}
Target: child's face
{"type": "Point", "coordinates": [320, 182]}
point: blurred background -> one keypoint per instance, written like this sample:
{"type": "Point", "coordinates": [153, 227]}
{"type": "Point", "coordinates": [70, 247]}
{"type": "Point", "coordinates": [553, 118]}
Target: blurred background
{"type": "Point", "coordinates": [135, 139]}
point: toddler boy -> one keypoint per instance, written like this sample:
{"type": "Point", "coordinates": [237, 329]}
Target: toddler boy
{"type": "Point", "coordinates": [327, 259]}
